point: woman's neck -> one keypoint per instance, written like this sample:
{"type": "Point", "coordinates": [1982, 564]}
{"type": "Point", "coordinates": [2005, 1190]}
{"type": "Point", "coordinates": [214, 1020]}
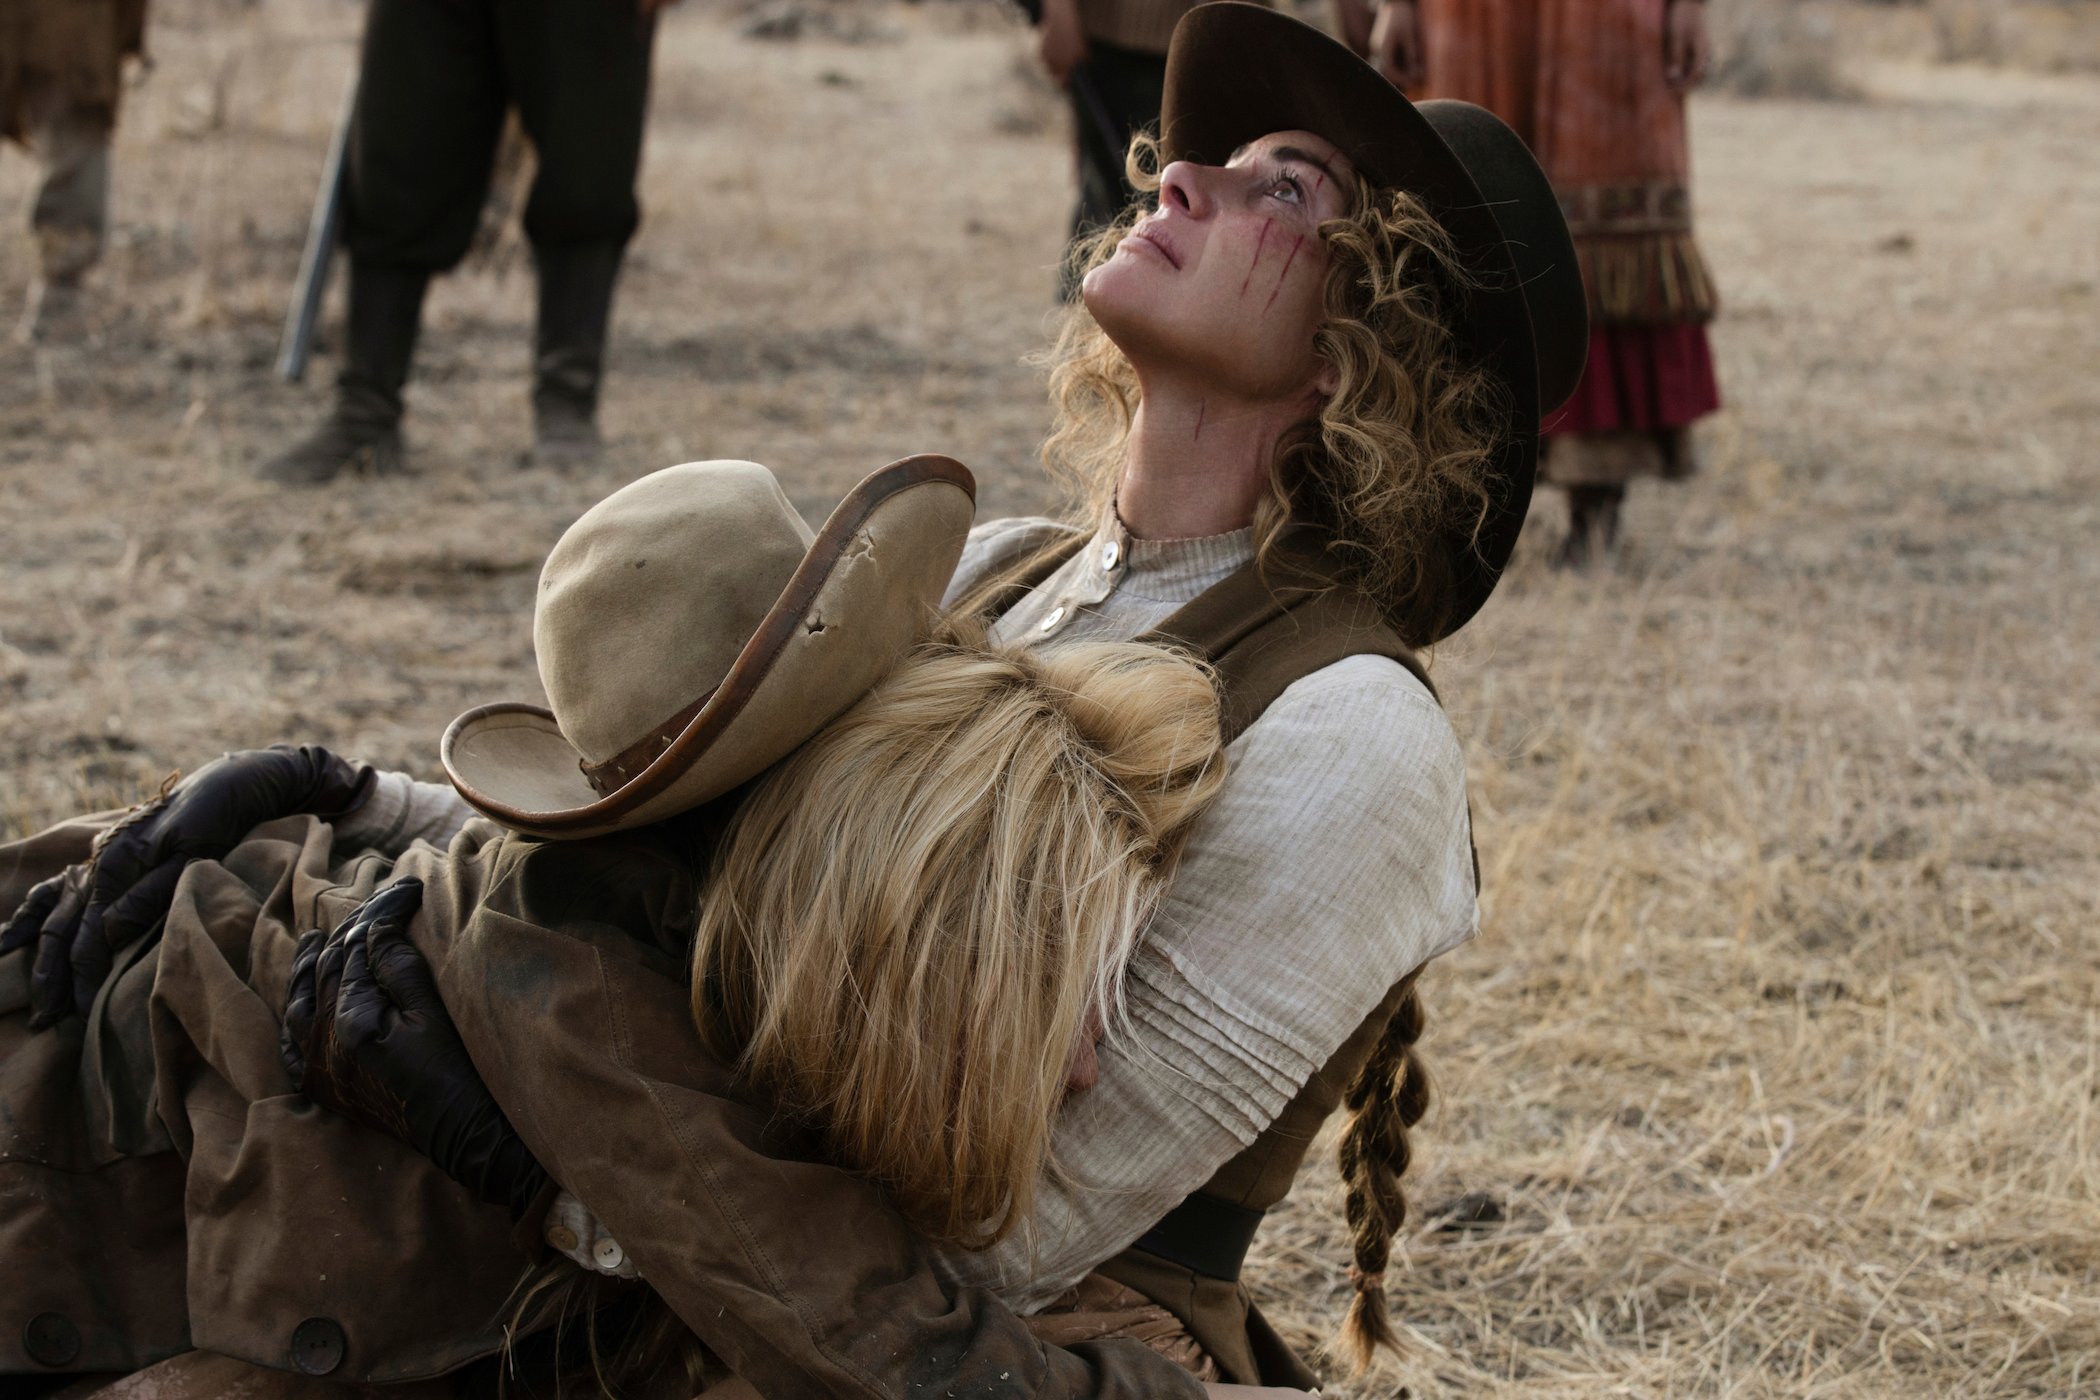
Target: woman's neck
{"type": "Point", "coordinates": [1197, 462]}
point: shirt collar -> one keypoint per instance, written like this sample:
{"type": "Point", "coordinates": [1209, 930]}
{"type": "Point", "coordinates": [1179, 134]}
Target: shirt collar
{"type": "Point", "coordinates": [1166, 571]}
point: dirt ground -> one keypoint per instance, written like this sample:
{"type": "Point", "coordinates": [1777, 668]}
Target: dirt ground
{"type": "Point", "coordinates": [1777, 1055]}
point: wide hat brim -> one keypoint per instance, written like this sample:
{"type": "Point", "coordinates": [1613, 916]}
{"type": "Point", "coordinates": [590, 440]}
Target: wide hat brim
{"type": "Point", "coordinates": [1237, 72]}
{"type": "Point", "coordinates": [864, 594]}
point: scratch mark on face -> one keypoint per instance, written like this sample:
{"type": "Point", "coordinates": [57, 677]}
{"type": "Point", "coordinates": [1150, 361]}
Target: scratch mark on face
{"type": "Point", "coordinates": [1297, 242]}
{"type": "Point", "coordinates": [1202, 407]}
{"type": "Point", "coordinates": [1260, 243]}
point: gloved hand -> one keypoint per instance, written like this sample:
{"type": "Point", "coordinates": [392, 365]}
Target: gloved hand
{"type": "Point", "coordinates": [81, 919]}
{"type": "Point", "coordinates": [366, 1034]}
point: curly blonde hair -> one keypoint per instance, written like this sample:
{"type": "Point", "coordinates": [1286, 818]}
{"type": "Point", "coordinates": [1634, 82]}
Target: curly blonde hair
{"type": "Point", "coordinates": [1394, 471]}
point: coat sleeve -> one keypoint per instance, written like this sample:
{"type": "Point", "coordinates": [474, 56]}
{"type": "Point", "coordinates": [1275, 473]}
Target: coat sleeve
{"type": "Point", "coordinates": [796, 1273]}
{"type": "Point", "coordinates": [400, 811]}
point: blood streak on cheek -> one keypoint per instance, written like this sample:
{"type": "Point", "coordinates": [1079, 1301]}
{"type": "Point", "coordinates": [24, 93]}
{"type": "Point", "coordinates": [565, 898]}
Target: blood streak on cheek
{"type": "Point", "coordinates": [1297, 242]}
{"type": "Point", "coordinates": [1259, 244]}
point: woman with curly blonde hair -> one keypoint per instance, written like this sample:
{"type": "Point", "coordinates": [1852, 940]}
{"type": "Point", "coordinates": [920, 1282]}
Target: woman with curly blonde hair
{"type": "Point", "coordinates": [1299, 408]}
{"type": "Point", "coordinates": [1397, 451]}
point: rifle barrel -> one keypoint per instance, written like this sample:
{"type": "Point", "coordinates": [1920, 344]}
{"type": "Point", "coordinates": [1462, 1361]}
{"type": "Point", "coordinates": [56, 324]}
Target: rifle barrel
{"type": "Point", "coordinates": [297, 345]}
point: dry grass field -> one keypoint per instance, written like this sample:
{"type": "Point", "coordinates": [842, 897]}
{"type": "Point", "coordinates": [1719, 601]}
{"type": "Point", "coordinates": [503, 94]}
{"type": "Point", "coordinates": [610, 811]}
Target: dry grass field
{"type": "Point", "coordinates": [1779, 1056]}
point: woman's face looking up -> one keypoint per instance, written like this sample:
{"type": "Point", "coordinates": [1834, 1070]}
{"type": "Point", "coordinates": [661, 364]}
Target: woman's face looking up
{"type": "Point", "coordinates": [1223, 283]}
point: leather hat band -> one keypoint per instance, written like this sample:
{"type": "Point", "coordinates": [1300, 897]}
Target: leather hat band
{"type": "Point", "coordinates": [616, 772]}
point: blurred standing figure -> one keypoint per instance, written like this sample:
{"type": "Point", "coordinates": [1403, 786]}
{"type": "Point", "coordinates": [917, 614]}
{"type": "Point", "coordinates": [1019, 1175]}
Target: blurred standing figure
{"type": "Point", "coordinates": [1110, 57]}
{"type": "Point", "coordinates": [61, 74]}
{"type": "Point", "coordinates": [434, 83]}
{"type": "Point", "coordinates": [1596, 88]}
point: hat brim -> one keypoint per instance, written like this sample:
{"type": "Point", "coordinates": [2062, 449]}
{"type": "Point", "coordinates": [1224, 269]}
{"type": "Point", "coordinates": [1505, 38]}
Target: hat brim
{"type": "Point", "coordinates": [863, 595]}
{"type": "Point", "coordinates": [1238, 72]}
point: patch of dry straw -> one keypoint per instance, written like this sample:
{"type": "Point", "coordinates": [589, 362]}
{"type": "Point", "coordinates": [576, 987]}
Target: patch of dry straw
{"type": "Point", "coordinates": [1779, 1051]}
{"type": "Point", "coordinates": [1777, 48]}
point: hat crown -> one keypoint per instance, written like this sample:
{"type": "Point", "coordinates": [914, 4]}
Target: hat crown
{"type": "Point", "coordinates": [647, 600]}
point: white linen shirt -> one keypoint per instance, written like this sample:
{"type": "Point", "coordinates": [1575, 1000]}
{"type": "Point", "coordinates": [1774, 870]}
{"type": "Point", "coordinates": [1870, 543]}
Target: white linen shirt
{"type": "Point", "coordinates": [1336, 859]}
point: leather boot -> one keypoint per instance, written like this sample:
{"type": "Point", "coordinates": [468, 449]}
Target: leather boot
{"type": "Point", "coordinates": [1593, 526]}
{"type": "Point", "coordinates": [576, 292]}
{"type": "Point", "coordinates": [69, 219]}
{"type": "Point", "coordinates": [54, 311]}
{"type": "Point", "coordinates": [363, 430]}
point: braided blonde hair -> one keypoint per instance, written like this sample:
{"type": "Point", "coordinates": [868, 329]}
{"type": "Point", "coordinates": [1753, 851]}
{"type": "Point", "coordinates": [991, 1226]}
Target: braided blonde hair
{"type": "Point", "coordinates": [1387, 1098]}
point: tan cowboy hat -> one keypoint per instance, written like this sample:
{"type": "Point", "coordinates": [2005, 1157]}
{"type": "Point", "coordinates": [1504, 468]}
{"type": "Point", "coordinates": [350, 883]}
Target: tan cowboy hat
{"type": "Point", "coordinates": [691, 632]}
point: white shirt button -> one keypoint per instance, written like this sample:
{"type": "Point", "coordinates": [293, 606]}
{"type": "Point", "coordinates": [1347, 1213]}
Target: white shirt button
{"type": "Point", "coordinates": [1057, 615]}
{"type": "Point", "coordinates": [608, 1254]}
{"type": "Point", "coordinates": [1111, 555]}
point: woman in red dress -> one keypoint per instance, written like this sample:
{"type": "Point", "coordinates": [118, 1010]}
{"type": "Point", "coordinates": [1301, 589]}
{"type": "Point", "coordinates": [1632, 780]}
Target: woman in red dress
{"type": "Point", "coordinates": [1596, 88]}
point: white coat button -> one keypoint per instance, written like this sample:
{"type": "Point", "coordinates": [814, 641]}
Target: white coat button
{"type": "Point", "coordinates": [1057, 615]}
{"type": "Point", "coordinates": [1111, 555]}
{"type": "Point", "coordinates": [608, 1254]}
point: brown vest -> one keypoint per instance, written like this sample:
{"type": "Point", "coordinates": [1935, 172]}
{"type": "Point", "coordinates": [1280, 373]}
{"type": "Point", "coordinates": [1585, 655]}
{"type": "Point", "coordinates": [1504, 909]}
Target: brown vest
{"type": "Point", "coordinates": [1263, 628]}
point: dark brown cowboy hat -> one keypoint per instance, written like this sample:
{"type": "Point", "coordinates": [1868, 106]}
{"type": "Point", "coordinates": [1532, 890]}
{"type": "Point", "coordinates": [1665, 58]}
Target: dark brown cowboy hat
{"type": "Point", "coordinates": [1237, 72]}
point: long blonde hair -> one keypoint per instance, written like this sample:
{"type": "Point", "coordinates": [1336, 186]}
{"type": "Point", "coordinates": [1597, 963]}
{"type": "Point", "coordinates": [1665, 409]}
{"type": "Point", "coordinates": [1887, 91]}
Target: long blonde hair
{"type": "Point", "coordinates": [911, 918]}
{"type": "Point", "coordinates": [1394, 469]}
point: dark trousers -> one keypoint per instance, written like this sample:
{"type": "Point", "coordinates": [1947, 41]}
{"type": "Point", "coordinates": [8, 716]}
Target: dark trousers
{"type": "Point", "coordinates": [1115, 94]}
{"type": "Point", "coordinates": [70, 216]}
{"type": "Point", "coordinates": [435, 80]}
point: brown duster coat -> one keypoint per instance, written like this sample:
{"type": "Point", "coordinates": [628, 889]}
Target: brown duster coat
{"type": "Point", "coordinates": [164, 1185]}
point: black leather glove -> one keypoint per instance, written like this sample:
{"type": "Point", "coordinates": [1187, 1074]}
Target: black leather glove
{"type": "Point", "coordinates": [366, 1034]}
{"type": "Point", "coordinates": [82, 919]}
